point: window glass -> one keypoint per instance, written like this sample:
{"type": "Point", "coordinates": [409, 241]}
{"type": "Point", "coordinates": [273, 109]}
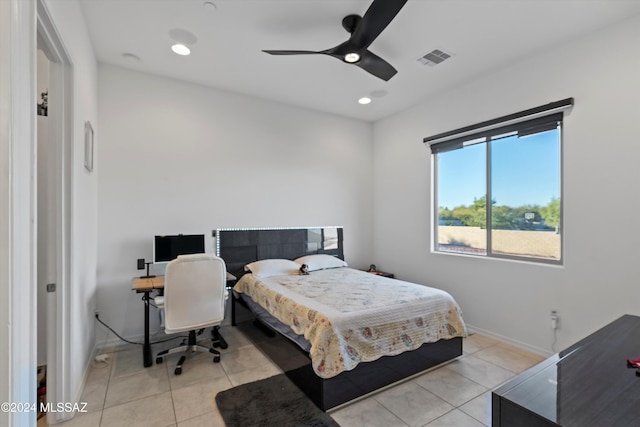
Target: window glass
{"type": "Point", "coordinates": [525, 184]}
{"type": "Point", "coordinates": [519, 172]}
{"type": "Point", "coordinates": [461, 191]}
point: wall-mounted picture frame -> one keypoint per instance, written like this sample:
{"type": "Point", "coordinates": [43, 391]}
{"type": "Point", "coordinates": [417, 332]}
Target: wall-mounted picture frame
{"type": "Point", "coordinates": [88, 146]}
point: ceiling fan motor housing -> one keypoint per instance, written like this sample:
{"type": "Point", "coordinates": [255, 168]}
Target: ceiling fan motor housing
{"type": "Point", "coordinates": [350, 22]}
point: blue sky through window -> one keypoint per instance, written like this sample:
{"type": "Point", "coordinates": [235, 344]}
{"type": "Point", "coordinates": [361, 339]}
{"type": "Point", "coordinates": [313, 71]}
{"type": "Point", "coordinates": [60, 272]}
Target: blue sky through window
{"type": "Point", "coordinates": [525, 171]}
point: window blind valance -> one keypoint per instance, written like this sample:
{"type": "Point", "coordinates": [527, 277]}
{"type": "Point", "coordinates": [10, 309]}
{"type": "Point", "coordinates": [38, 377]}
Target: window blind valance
{"type": "Point", "coordinates": [527, 122]}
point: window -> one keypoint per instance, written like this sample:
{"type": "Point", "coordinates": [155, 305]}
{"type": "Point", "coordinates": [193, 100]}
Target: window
{"type": "Point", "coordinates": [515, 163]}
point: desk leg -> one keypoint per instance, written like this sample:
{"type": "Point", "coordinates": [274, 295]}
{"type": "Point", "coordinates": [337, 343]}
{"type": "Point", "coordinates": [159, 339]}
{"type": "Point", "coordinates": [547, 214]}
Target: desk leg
{"type": "Point", "coordinates": [146, 348]}
{"type": "Point", "coordinates": [233, 310]}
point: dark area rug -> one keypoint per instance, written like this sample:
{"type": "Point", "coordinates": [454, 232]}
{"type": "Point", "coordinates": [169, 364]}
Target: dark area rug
{"type": "Point", "coordinates": [274, 401]}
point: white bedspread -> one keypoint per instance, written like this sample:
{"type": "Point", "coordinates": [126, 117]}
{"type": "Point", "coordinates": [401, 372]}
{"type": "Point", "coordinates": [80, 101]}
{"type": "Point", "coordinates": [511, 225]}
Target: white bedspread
{"type": "Point", "coordinates": [350, 316]}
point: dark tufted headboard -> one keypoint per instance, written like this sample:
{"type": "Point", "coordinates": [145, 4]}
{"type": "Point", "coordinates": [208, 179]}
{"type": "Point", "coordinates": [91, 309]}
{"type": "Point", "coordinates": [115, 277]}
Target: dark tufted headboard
{"type": "Point", "coordinates": [241, 246]}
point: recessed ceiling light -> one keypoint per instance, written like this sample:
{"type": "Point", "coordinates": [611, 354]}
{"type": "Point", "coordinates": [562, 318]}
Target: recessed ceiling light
{"type": "Point", "coordinates": [131, 58]}
{"type": "Point", "coordinates": [364, 100]}
{"type": "Point", "coordinates": [210, 6]}
{"type": "Point", "coordinates": [352, 57]}
{"type": "Point", "coordinates": [180, 49]}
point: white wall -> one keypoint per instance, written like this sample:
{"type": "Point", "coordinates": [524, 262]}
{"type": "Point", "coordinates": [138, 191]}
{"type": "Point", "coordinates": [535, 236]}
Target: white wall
{"type": "Point", "coordinates": [69, 21]}
{"type": "Point", "coordinates": [181, 158]}
{"type": "Point", "coordinates": [598, 281]}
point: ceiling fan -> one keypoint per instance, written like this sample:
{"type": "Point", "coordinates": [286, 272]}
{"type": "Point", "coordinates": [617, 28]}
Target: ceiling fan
{"type": "Point", "coordinates": [364, 31]}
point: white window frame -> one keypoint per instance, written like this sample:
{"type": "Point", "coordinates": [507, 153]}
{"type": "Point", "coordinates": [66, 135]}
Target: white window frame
{"type": "Point", "coordinates": [530, 121]}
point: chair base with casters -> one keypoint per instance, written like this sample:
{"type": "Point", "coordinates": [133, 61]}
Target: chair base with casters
{"type": "Point", "coordinates": [186, 349]}
{"type": "Point", "coordinates": [217, 339]}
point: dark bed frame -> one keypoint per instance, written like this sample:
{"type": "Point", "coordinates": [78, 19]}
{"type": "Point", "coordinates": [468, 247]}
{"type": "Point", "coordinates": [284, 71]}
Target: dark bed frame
{"type": "Point", "coordinates": [239, 247]}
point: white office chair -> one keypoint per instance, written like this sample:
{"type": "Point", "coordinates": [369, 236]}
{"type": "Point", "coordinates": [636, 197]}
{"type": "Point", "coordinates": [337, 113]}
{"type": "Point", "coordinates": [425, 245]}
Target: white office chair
{"type": "Point", "coordinates": [194, 299]}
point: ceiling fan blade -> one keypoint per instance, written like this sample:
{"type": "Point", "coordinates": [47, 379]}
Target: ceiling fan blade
{"type": "Point", "coordinates": [291, 52]}
{"type": "Point", "coordinates": [374, 21]}
{"type": "Point", "coordinates": [377, 66]}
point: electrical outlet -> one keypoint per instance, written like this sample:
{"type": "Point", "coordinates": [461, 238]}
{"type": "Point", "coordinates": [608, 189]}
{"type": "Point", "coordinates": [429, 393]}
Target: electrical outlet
{"type": "Point", "coordinates": [140, 263]}
{"type": "Point", "coordinates": [554, 319]}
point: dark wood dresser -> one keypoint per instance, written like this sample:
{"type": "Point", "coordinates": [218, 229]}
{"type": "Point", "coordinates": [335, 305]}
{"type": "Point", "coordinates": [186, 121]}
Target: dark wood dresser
{"type": "Point", "coordinates": [588, 384]}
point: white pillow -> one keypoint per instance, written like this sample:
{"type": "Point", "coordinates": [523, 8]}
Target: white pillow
{"type": "Point", "coordinates": [273, 267]}
{"type": "Point", "coordinates": [321, 261]}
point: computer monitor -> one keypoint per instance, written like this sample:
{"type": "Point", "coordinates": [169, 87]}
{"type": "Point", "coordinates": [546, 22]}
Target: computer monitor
{"type": "Point", "coordinates": [167, 248]}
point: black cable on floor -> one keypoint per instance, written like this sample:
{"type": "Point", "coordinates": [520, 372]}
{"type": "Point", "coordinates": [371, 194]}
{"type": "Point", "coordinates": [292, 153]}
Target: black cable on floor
{"type": "Point", "coordinates": [137, 343]}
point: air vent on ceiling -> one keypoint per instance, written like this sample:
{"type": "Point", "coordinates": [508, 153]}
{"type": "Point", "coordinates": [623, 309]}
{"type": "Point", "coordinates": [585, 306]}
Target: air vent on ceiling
{"type": "Point", "coordinates": [434, 58]}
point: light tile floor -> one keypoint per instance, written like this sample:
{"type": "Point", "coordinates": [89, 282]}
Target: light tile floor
{"type": "Point", "coordinates": [122, 392]}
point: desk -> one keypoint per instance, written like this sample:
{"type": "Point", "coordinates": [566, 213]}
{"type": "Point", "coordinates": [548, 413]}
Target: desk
{"type": "Point", "coordinates": [588, 384]}
{"type": "Point", "coordinates": [146, 285]}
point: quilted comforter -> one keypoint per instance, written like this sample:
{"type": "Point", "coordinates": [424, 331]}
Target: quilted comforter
{"type": "Point", "coordinates": [351, 316]}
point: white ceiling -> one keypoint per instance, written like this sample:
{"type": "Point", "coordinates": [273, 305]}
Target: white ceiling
{"type": "Point", "coordinates": [482, 35]}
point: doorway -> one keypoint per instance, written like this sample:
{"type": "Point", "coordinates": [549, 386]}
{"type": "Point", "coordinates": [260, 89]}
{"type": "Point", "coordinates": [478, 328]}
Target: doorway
{"type": "Point", "coordinates": [54, 141]}
{"type": "Point", "coordinates": [45, 193]}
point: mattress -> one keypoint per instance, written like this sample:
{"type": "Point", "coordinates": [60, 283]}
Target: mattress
{"type": "Point", "coordinates": [349, 316]}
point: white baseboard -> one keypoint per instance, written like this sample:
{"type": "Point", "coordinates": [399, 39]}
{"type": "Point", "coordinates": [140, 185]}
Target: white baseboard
{"type": "Point", "coordinates": [515, 343]}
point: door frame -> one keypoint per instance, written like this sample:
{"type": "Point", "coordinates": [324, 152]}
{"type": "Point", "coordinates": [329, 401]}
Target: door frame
{"type": "Point", "coordinates": [59, 224]}
{"type": "Point", "coordinates": [22, 24]}
{"type": "Point", "coordinates": [17, 208]}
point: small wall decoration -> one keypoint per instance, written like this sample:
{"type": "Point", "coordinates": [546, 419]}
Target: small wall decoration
{"type": "Point", "coordinates": [88, 146]}
{"type": "Point", "coordinates": [42, 107]}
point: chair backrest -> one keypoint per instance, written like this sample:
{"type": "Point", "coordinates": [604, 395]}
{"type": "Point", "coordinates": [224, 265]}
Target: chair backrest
{"type": "Point", "coordinates": [194, 292]}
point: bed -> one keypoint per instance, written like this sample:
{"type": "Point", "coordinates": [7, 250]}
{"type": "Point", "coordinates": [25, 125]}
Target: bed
{"type": "Point", "coordinates": [340, 332]}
